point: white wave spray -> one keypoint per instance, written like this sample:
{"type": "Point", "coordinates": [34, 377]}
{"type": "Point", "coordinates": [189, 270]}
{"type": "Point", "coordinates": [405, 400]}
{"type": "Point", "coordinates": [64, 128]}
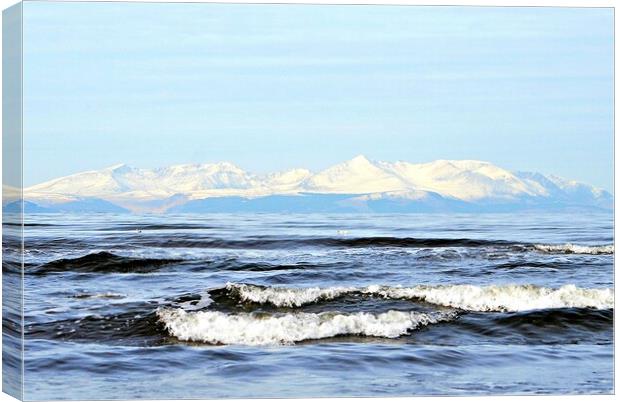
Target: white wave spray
{"type": "Point", "coordinates": [286, 297]}
{"type": "Point", "coordinates": [574, 249]}
{"type": "Point", "coordinates": [259, 329]}
{"type": "Point", "coordinates": [504, 297]}
{"type": "Point", "coordinates": [465, 297]}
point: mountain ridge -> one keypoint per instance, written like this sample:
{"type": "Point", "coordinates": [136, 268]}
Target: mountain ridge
{"type": "Point", "coordinates": [367, 181]}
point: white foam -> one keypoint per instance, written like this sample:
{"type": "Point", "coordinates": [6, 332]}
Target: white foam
{"type": "Point", "coordinates": [258, 329]}
{"type": "Point", "coordinates": [575, 249]}
{"type": "Point", "coordinates": [465, 297]}
{"type": "Point", "coordinates": [286, 297]}
{"type": "Point", "coordinates": [504, 297]}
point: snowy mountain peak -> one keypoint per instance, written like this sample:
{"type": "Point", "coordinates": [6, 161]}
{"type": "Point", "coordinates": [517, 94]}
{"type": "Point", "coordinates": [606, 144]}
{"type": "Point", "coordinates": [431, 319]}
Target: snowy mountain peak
{"type": "Point", "coordinates": [359, 160]}
{"type": "Point", "coordinates": [469, 181]}
{"type": "Point", "coordinates": [355, 176]}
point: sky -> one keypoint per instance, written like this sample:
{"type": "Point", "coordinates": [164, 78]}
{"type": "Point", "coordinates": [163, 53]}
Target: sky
{"type": "Point", "coordinates": [273, 87]}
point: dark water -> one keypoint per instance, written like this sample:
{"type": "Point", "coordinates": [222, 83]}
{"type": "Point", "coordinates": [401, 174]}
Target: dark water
{"type": "Point", "coordinates": [213, 306]}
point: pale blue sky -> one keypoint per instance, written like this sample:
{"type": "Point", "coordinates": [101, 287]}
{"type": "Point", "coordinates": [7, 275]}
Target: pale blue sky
{"type": "Point", "coordinates": [271, 87]}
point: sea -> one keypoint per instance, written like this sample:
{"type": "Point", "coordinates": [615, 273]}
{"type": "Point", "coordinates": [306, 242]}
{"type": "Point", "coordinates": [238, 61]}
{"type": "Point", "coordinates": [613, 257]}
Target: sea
{"type": "Point", "coordinates": [211, 306]}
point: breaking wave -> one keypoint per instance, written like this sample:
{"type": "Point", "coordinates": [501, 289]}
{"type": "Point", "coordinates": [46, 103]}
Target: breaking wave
{"type": "Point", "coordinates": [215, 327]}
{"type": "Point", "coordinates": [465, 297]}
{"type": "Point", "coordinates": [504, 297]}
{"type": "Point", "coordinates": [285, 297]}
{"type": "Point", "coordinates": [574, 249]}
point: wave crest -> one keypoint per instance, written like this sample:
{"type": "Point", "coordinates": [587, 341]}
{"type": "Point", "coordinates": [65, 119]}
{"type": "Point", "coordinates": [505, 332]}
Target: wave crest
{"type": "Point", "coordinates": [464, 297]}
{"type": "Point", "coordinates": [285, 297]}
{"type": "Point", "coordinates": [505, 297]}
{"type": "Point", "coordinates": [103, 262]}
{"type": "Point", "coordinates": [574, 248]}
{"type": "Point", "coordinates": [215, 327]}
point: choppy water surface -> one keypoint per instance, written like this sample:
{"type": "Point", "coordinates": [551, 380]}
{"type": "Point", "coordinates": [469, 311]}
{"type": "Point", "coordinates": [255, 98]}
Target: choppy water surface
{"type": "Point", "coordinates": [211, 306]}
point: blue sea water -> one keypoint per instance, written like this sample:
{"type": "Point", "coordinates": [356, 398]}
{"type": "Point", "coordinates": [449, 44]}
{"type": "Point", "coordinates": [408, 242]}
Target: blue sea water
{"type": "Point", "coordinates": [281, 305]}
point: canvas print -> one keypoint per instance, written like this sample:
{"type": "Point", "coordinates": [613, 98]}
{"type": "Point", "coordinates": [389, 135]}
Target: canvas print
{"type": "Point", "coordinates": [284, 201]}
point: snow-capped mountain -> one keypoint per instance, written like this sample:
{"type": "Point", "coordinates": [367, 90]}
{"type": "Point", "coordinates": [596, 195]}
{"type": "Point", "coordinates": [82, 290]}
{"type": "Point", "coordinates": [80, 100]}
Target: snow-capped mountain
{"type": "Point", "coordinates": [358, 183]}
{"type": "Point", "coordinates": [357, 176]}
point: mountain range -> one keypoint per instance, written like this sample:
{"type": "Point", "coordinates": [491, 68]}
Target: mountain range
{"type": "Point", "coordinates": [356, 185]}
